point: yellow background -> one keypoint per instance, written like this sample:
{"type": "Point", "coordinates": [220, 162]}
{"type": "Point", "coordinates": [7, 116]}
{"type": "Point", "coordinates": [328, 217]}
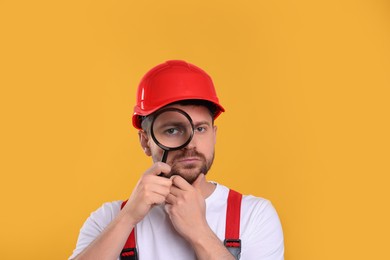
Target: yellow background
{"type": "Point", "coordinates": [305, 85]}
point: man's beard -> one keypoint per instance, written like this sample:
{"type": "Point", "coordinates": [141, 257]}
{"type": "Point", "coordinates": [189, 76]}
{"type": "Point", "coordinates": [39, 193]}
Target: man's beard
{"type": "Point", "coordinates": [190, 172]}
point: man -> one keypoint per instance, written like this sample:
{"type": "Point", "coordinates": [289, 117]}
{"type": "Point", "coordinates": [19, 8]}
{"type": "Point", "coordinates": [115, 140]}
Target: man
{"type": "Point", "coordinates": [175, 212]}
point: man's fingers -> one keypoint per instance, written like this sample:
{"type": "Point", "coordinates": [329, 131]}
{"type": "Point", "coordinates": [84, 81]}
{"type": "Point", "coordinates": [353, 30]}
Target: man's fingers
{"type": "Point", "coordinates": [149, 181]}
{"type": "Point", "coordinates": [181, 183]}
{"type": "Point", "coordinates": [175, 191]}
{"type": "Point", "coordinates": [157, 199]}
{"type": "Point", "coordinates": [159, 189]}
{"type": "Point", "coordinates": [170, 199]}
{"type": "Point", "coordinates": [158, 168]}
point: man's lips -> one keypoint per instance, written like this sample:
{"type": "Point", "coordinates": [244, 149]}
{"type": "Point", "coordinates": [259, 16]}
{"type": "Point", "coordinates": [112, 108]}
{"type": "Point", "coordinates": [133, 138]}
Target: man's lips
{"type": "Point", "coordinates": [188, 159]}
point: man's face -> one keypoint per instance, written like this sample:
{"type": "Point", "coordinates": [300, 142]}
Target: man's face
{"type": "Point", "coordinates": [197, 157]}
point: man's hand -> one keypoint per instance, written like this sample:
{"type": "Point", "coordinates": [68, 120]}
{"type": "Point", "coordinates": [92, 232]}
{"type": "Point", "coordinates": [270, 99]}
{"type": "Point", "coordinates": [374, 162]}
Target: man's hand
{"type": "Point", "coordinates": [186, 207]}
{"type": "Point", "coordinates": [149, 191]}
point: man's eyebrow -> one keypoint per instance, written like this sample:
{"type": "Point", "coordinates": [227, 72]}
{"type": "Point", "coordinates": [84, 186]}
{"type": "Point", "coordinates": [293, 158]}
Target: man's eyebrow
{"type": "Point", "coordinates": [208, 123]}
{"type": "Point", "coordinates": [170, 124]}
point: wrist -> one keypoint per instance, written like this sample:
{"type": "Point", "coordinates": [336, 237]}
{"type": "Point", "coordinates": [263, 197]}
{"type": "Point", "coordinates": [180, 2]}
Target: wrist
{"type": "Point", "coordinates": [126, 219]}
{"type": "Point", "coordinates": [202, 237]}
{"type": "Point", "coordinates": [210, 247]}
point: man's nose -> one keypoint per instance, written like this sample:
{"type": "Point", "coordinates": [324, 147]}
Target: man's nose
{"type": "Point", "coordinates": [193, 142]}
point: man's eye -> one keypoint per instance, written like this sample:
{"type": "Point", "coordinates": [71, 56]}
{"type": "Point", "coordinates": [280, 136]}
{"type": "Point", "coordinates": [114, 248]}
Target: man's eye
{"type": "Point", "coordinates": [201, 129]}
{"type": "Point", "coordinates": [172, 131]}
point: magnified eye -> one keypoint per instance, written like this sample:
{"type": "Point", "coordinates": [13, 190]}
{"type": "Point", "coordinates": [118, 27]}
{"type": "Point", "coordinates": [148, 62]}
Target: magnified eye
{"type": "Point", "coordinates": [172, 131]}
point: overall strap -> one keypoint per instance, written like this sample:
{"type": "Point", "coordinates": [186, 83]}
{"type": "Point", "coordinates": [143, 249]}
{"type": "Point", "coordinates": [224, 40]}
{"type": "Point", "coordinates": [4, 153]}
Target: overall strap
{"type": "Point", "coordinates": [129, 251]}
{"type": "Point", "coordinates": [232, 234]}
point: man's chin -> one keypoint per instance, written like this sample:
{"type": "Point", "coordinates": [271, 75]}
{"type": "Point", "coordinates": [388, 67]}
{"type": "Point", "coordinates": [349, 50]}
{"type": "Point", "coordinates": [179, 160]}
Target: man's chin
{"type": "Point", "coordinates": [189, 175]}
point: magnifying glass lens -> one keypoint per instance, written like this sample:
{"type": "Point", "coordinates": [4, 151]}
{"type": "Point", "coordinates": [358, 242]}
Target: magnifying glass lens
{"type": "Point", "coordinates": [172, 129]}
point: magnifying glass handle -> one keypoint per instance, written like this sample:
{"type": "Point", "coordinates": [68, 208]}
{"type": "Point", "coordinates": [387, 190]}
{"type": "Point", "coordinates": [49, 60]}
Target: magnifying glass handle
{"type": "Point", "coordinates": [164, 157]}
{"type": "Point", "coordinates": [164, 160]}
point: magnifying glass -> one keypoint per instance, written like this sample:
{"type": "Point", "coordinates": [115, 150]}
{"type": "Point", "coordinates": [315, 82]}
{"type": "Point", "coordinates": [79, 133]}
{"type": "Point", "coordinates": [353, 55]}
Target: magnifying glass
{"type": "Point", "coordinates": [171, 129]}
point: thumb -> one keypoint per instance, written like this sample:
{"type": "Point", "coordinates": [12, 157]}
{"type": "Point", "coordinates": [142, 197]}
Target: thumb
{"type": "Point", "coordinates": [198, 182]}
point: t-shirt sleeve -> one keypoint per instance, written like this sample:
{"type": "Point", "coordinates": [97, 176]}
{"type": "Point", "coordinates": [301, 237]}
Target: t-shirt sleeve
{"type": "Point", "coordinates": [263, 237]}
{"type": "Point", "coordinates": [94, 225]}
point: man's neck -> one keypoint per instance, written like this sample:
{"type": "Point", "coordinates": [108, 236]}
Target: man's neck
{"type": "Point", "coordinates": [207, 188]}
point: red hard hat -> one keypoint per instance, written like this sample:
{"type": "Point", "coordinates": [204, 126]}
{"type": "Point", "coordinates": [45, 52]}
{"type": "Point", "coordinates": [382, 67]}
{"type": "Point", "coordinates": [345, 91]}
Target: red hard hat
{"type": "Point", "coordinates": [172, 81]}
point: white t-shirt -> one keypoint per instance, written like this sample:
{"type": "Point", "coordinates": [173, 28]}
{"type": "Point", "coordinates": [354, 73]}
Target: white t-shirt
{"type": "Point", "coordinates": [260, 229]}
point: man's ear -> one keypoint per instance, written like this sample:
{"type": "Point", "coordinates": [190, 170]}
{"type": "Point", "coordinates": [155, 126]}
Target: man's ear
{"type": "Point", "coordinates": [144, 141]}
